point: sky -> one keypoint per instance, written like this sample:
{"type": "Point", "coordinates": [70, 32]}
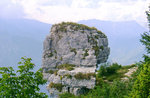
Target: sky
{"type": "Point", "coordinates": [55, 11]}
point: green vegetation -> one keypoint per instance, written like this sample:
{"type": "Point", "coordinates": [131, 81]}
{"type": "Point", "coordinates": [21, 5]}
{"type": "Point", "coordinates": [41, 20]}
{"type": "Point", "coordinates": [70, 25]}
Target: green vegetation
{"type": "Point", "coordinates": [97, 37]}
{"type": "Point", "coordinates": [55, 51]}
{"type": "Point", "coordinates": [66, 67]}
{"type": "Point", "coordinates": [66, 95]}
{"type": "Point", "coordinates": [113, 72]}
{"type": "Point", "coordinates": [51, 71]}
{"type": "Point", "coordinates": [76, 26]}
{"type": "Point", "coordinates": [50, 54]}
{"type": "Point", "coordinates": [68, 76]}
{"type": "Point", "coordinates": [96, 49]}
{"type": "Point", "coordinates": [85, 54]}
{"type": "Point", "coordinates": [104, 88]}
{"type": "Point", "coordinates": [57, 86]}
{"type": "Point", "coordinates": [102, 47]}
{"type": "Point", "coordinates": [61, 58]}
{"type": "Point", "coordinates": [24, 83]}
{"type": "Point", "coordinates": [55, 57]}
{"type": "Point", "coordinates": [82, 76]}
{"type": "Point", "coordinates": [73, 50]}
{"type": "Point", "coordinates": [55, 72]}
{"type": "Point", "coordinates": [141, 87]}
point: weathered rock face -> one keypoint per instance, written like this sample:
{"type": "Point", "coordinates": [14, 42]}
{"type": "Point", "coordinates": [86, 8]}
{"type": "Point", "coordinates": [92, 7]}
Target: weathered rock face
{"type": "Point", "coordinates": [71, 49]}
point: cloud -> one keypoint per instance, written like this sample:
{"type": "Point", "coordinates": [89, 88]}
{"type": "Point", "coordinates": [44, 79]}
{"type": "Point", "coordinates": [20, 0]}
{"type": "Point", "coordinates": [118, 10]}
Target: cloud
{"type": "Point", "coordinates": [9, 9]}
{"type": "Point", "coordinates": [54, 11]}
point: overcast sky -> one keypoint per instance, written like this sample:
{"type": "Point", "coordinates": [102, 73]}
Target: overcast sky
{"type": "Point", "coordinates": [54, 11]}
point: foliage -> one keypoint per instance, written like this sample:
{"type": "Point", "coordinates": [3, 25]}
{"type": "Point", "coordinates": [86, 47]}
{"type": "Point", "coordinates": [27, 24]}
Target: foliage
{"type": "Point", "coordinates": [146, 36]}
{"type": "Point", "coordinates": [113, 68]}
{"type": "Point", "coordinates": [66, 66]}
{"type": "Point", "coordinates": [99, 81]}
{"type": "Point", "coordinates": [50, 55]}
{"type": "Point", "coordinates": [55, 72]}
{"type": "Point", "coordinates": [61, 58]}
{"type": "Point", "coordinates": [146, 41]}
{"type": "Point", "coordinates": [76, 26]}
{"type": "Point", "coordinates": [51, 71]}
{"type": "Point", "coordinates": [107, 69]}
{"type": "Point", "coordinates": [96, 49]}
{"type": "Point", "coordinates": [68, 76]}
{"type": "Point", "coordinates": [66, 95]}
{"type": "Point", "coordinates": [141, 88]}
{"type": "Point", "coordinates": [117, 89]}
{"type": "Point", "coordinates": [73, 50]}
{"type": "Point", "coordinates": [86, 76]}
{"type": "Point", "coordinates": [57, 86]}
{"type": "Point", "coordinates": [106, 89]}
{"type": "Point", "coordinates": [86, 53]}
{"type": "Point", "coordinates": [21, 84]}
{"type": "Point", "coordinates": [102, 71]}
{"type": "Point", "coordinates": [113, 71]}
{"type": "Point", "coordinates": [102, 47]}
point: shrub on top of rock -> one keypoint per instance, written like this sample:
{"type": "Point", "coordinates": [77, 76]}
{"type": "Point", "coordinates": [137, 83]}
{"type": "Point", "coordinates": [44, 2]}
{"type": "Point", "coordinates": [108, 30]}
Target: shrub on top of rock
{"type": "Point", "coordinates": [66, 67]}
{"type": "Point", "coordinates": [57, 86]}
{"type": "Point", "coordinates": [86, 76]}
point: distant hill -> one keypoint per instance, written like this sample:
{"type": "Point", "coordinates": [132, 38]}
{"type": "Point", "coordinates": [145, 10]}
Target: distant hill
{"type": "Point", "coordinates": [123, 39]}
{"type": "Point", "coordinates": [21, 37]}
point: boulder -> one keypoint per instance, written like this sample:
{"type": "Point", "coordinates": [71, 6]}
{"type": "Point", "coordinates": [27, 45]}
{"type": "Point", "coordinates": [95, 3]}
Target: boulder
{"type": "Point", "coordinates": [72, 51]}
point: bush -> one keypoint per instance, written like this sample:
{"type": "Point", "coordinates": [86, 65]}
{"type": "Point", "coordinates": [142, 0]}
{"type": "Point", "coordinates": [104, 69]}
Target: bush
{"type": "Point", "coordinates": [66, 67]}
{"type": "Point", "coordinates": [141, 87]}
{"type": "Point", "coordinates": [102, 71]}
{"type": "Point", "coordinates": [68, 76]}
{"type": "Point", "coordinates": [57, 86]}
{"type": "Point", "coordinates": [113, 68]}
{"type": "Point", "coordinates": [86, 76]}
{"type": "Point", "coordinates": [99, 82]}
{"type": "Point", "coordinates": [86, 53]}
{"type": "Point", "coordinates": [102, 47]}
{"type": "Point", "coordinates": [50, 55]}
{"type": "Point", "coordinates": [108, 69]}
{"type": "Point", "coordinates": [51, 71]}
{"type": "Point", "coordinates": [117, 89]}
{"type": "Point", "coordinates": [96, 49]}
{"type": "Point", "coordinates": [66, 95]}
{"type": "Point", "coordinates": [55, 72]}
{"type": "Point", "coordinates": [73, 50]}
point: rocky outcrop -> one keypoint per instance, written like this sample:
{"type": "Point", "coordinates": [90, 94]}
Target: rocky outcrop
{"type": "Point", "coordinates": [70, 57]}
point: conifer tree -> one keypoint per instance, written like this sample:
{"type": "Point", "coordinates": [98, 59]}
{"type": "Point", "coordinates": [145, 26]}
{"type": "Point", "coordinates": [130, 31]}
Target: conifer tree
{"type": "Point", "coordinates": [141, 87]}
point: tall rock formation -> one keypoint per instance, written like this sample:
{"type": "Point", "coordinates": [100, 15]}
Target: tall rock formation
{"type": "Point", "coordinates": [70, 57]}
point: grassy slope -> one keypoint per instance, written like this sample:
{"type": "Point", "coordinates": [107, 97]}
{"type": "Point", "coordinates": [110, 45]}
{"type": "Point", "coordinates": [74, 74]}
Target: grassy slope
{"type": "Point", "coordinates": [119, 74]}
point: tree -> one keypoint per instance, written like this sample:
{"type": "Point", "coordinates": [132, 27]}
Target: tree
{"type": "Point", "coordinates": [146, 36]}
{"type": "Point", "coordinates": [24, 83]}
{"type": "Point", "coordinates": [141, 87]}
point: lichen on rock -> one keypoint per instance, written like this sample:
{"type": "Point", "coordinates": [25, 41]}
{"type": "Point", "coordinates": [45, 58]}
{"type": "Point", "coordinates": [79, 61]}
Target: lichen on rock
{"type": "Point", "coordinates": [73, 49]}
